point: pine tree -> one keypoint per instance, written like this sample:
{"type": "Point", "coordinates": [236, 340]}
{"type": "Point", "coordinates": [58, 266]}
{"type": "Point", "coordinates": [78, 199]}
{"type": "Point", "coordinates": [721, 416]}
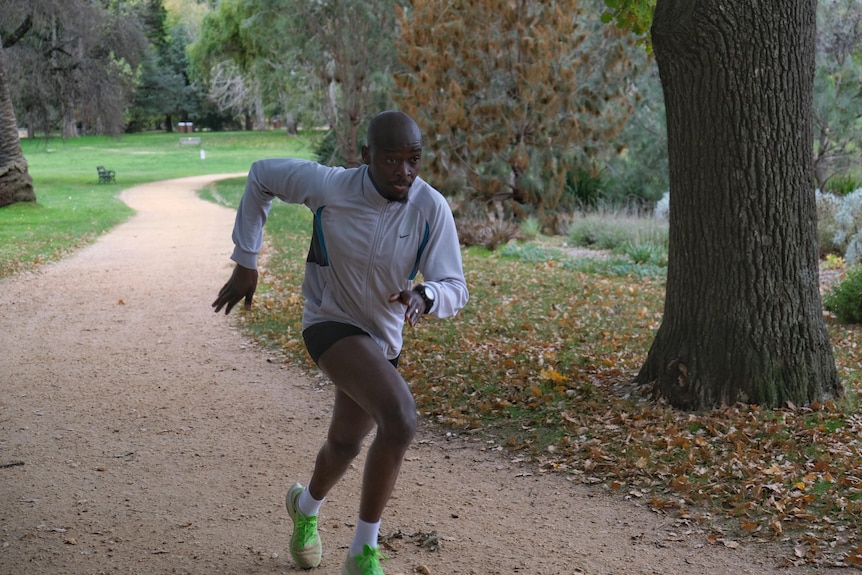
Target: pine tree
{"type": "Point", "coordinates": [512, 95]}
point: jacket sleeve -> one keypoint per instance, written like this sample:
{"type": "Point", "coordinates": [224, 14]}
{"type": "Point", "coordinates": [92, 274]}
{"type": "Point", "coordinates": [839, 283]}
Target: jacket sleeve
{"type": "Point", "coordinates": [441, 264]}
{"type": "Point", "coordinates": [291, 180]}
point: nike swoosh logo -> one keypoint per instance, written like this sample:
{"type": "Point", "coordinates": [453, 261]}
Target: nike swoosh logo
{"type": "Point", "coordinates": [404, 236]}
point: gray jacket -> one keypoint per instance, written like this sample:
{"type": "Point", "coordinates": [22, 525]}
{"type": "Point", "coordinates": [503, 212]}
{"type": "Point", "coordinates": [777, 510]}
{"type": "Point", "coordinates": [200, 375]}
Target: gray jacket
{"type": "Point", "coordinates": [364, 247]}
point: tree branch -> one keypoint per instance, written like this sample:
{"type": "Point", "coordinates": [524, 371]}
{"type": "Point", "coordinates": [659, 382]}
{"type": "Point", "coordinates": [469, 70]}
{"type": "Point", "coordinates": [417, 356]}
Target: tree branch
{"type": "Point", "coordinates": [19, 33]}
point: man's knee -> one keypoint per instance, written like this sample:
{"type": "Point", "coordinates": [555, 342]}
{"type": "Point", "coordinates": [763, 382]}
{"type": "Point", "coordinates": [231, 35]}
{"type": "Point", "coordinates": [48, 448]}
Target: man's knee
{"type": "Point", "coordinates": [344, 448]}
{"type": "Point", "coordinates": [399, 425]}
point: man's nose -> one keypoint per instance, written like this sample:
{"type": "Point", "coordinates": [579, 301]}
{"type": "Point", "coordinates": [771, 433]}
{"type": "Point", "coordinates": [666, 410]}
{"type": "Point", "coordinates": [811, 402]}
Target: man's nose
{"type": "Point", "coordinates": [405, 169]}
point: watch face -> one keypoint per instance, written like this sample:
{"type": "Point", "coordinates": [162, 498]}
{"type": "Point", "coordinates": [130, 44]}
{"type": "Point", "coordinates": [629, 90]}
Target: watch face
{"type": "Point", "coordinates": [428, 294]}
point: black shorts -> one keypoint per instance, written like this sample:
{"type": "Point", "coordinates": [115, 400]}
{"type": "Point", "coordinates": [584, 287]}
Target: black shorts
{"type": "Point", "coordinates": [320, 337]}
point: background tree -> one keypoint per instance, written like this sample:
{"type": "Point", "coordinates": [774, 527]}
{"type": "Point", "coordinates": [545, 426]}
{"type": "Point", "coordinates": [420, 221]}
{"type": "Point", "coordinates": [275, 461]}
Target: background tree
{"type": "Point", "coordinates": [16, 185]}
{"type": "Point", "coordinates": [513, 96]}
{"type": "Point", "coordinates": [226, 59]}
{"type": "Point", "coordinates": [338, 53]}
{"type": "Point", "coordinates": [838, 89]}
{"type": "Point", "coordinates": [164, 90]}
{"type": "Point", "coordinates": [346, 50]}
{"type": "Point", "coordinates": [75, 68]}
{"type": "Point", "coordinates": [742, 318]}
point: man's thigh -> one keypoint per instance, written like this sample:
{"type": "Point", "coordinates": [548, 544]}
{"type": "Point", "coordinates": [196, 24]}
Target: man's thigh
{"type": "Point", "coordinates": [357, 366]}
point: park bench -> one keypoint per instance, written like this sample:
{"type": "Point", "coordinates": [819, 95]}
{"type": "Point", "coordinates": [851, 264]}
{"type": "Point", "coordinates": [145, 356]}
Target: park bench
{"type": "Point", "coordinates": [189, 141]}
{"type": "Point", "coordinates": [105, 176]}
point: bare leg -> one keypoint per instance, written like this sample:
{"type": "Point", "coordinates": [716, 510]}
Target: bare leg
{"type": "Point", "coordinates": [348, 427]}
{"type": "Point", "coordinates": [370, 391]}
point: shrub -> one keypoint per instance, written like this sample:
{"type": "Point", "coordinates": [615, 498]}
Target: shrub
{"type": "Point", "coordinates": [614, 231]}
{"type": "Point", "coordinates": [324, 151]}
{"type": "Point", "coordinates": [834, 262]}
{"type": "Point", "coordinates": [583, 188]}
{"type": "Point", "coordinates": [848, 220]}
{"type": "Point", "coordinates": [529, 229]}
{"type": "Point", "coordinates": [828, 205]}
{"type": "Point", "coordinates": [485, 232]}
{"type": "Point", "coordinates": [645, 253]}
{"type": "Point", "coordinates": [845, 299]}
{"type": "Point", "coordinates": [843, 184]}
{"type": "Point", "coordinates": [662, 208]}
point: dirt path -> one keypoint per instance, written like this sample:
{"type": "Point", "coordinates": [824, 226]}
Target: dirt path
{"type": "Point", "coordinates": [154, 439]}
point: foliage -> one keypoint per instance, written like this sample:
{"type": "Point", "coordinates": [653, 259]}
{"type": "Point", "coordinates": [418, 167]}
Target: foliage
{"type": "Point", "coordinates": [843, 184]}
{"type": "Point", "coordinates": [849, 223]}
{"type": "Point", "coordinates": [584, 188]}
{"type": "Point", "coordinates": [839, 221]}
{"type": "Point", "coordinates": [640, 170]}
{"type": "Point", "coordinates": [343, 50]}
{"type": "Point", "coordinates": [634, 15]}
{"type": "Point", "coordinates": [834, 262]}
{"type": "Point", "coordinates": [164, 90]}
{"type": "Point", "coordinates": [513, 95]}
{"type": "Point", "coordinates": [845, 299]}
{"type": "Point", "coordinates": [616, 230]}
{"type": "Point", "coordinates": [76, 65]}
{"type": "Point", "coordinates": [224, 58]}
{"type": "Point", "coordinates": [486, 232]}
{"type": "Point", "coordinates": [837, 98]}
{"type": "Point", "coordinates": [529, 229]}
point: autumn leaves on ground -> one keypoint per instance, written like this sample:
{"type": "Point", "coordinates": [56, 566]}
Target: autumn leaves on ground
{"type": "Point", "coordinates": [541, 360]}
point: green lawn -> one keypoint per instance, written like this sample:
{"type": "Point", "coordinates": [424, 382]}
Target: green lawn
{"type": "Point", "coordinates": [72, 208]}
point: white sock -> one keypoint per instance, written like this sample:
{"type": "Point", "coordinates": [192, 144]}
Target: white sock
{"type": "Point", "coordinates": [308, 505]}
{"type": "Point", "coordinates": [366, 534]}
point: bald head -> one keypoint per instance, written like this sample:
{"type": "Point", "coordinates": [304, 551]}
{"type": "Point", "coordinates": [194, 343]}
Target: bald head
{"type": "Point", "coordinates": [392, 130]}
{"type": "Point", "coordinates": [393, 153]}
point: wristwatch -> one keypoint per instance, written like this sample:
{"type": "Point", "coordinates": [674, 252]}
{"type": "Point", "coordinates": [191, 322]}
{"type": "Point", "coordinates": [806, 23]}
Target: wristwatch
{"type": "Point", "coordinates": [427, 296]}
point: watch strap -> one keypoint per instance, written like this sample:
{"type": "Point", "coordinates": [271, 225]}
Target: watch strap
{"type": "Point", "coordinates": [429, 303]}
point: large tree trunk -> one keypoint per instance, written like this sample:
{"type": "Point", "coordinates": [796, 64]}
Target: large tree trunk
{"type": "Point", "coordinates": [15, 182]}
{"type": "Point", "coordinates": [743, 318]}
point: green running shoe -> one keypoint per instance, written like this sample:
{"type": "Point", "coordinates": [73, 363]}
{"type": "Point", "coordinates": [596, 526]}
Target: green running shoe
{"type": "Point", "coordinates": [305, 546]}
{"type": "Point", "coordinates": [368, 563]}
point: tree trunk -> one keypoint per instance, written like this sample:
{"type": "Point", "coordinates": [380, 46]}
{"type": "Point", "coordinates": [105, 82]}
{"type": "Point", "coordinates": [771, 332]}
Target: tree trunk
{"type": "Point", "coordinates": [16, 185]}
{"type": "Point", "coordinates": [743, 318]}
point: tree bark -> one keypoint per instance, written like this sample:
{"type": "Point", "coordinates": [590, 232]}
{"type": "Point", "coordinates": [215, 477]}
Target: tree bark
{"type": "Point", "coordinates": [16, 185]}
{"type": "Point", "coordinates": [743, 319]}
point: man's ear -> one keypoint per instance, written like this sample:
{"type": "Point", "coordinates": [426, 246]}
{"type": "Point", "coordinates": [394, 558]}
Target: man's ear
{"type": "Point", "coordinates": [366, 157]}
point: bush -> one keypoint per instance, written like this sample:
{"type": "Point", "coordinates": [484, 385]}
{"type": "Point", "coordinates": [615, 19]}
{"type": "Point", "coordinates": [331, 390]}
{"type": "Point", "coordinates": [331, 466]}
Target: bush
{"type": "Point", "coordinates": [615, 231]}
{"type": "Point", "coordinates": [485, 232]}
{"type": "Point", "coordinates": [645, 253]}
{"type": "Point", "coordinates": [529, 229]}
{"type": "Point", "coordinates": [842, 184]}
{"type": "Point", "coordinates": [583, 189]}
{"type": "Point", "coordinates": [828, 205]}
{"type": "Point", "coordinates": [324, 151]}
{"type": "Point", "coordinates": [848, 220]}
{"type": "Point", "coordinates": [845, 299]}
{"type": "Point", "coordinates": [662, 208]}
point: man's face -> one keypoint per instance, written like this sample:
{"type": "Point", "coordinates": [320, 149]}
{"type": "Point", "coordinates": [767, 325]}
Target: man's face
{"type": "Point", "coordinates": [393, 168]}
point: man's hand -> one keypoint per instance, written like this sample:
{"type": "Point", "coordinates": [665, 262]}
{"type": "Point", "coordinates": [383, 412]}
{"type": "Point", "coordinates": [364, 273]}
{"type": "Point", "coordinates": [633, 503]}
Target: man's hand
{"type": "Point", "coordinates": [242, 283]}
{"type": "Point", "coordinates": [413, 304]}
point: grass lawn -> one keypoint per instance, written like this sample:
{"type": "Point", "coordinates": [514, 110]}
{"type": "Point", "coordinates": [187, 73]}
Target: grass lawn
{"type": "Point", "coordinates": [539, 363]}
{"type": "Point", "coordinates": [72, 208]}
